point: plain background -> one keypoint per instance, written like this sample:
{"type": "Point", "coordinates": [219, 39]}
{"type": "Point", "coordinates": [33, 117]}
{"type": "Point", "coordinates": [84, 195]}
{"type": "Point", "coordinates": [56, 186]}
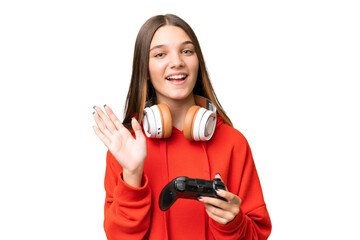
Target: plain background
{"type": "Point", "coordinates": [286, 72]}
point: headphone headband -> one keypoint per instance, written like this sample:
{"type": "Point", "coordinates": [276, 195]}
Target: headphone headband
{"type": "Point", "coordinates": [205, 103]}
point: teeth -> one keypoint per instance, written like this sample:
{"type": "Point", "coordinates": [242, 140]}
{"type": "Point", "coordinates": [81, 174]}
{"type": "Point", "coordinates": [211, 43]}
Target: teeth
{"type": "Point", "coordinates": [176, 77]}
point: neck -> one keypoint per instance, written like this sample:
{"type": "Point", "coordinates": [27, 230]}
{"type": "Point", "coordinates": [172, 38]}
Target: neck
{"type": "Point", "coordinates": [178, 109]}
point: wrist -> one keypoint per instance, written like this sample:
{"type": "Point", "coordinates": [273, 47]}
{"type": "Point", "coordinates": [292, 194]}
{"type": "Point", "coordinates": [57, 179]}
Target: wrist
{"type": "Point", "coordinates": [134, 177]}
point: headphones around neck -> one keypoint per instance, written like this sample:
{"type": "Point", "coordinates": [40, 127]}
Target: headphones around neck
{"type": "Point", "coordinates": [199, 123]}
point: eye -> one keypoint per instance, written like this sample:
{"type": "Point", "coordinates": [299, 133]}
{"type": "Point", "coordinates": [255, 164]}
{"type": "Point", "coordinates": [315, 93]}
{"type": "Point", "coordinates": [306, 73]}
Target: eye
{"type": "Point", "coordinates": [188, 52]}
{"type": "Point", "coordinates": [159, 55]}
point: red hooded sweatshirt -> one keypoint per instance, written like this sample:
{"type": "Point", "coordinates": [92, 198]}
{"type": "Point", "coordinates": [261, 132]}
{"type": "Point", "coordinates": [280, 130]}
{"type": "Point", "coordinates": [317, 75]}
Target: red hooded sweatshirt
{"type": "Point", "coordinates": [134, 213]}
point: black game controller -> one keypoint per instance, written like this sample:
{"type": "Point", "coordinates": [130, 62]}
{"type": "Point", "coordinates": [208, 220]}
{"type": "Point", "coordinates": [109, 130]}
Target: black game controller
{"type": "Point", "coordinates": [184, 187]}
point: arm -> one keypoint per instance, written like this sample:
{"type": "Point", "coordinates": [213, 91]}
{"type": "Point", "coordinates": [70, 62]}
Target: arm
{"type": "Point", "coordinates": [127, 209]}
{"type": "Point", "coordinates": [244, 215]}
{"type": "Point", "coordinates": [128, 196]}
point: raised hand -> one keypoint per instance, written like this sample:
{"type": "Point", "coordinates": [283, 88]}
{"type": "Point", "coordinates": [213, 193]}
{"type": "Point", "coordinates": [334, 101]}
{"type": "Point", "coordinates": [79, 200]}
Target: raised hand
{"type": "Point", "coordinates": [127, 150]}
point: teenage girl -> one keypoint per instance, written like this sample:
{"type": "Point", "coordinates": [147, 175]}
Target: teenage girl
{"type": "Point", "coordinates": [184, 132]}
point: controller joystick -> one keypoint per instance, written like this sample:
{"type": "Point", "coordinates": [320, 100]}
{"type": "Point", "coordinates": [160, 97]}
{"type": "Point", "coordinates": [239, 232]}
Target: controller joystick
{"type": "Point", "coordinates": [189, 188]}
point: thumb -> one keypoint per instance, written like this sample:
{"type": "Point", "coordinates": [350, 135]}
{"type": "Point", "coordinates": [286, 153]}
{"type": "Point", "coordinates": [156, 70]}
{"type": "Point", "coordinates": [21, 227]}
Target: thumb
{"type": "Point", "coordinates": [137, 128]}
{"type": "Point", "coordinates": [217, 175]}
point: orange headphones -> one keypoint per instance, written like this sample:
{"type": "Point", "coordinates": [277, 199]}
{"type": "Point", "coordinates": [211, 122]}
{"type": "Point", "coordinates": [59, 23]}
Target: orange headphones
{"type": "Point", "coordinates": [199, 123]}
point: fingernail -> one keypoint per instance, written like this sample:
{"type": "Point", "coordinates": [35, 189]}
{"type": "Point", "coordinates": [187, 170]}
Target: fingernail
{"type": "Point", "coordinates": [93, 113]}
{"type": "Point", "coordinates": [219, 191]}
{"type": "Point", "coordinates": [105, 106]}
{"type": "Point", "coordinates": [94, 107]}
{"type": "Point", "coordinates": [199, 199]}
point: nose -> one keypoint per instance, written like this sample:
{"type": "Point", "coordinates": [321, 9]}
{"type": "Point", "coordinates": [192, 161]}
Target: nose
{"type": "Point", "coordinates": [176, 61]}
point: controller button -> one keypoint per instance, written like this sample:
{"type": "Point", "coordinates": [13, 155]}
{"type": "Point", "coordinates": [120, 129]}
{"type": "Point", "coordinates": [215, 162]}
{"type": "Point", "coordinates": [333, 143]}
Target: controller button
{"type": "Point", "coordinates": [180, 186]}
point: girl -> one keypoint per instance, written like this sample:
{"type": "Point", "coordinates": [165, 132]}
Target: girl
{"type": "Point", "coordinates": [186, 135]}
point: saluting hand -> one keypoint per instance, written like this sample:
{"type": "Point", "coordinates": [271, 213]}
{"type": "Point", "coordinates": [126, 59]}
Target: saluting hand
{"type": "Point", "coordinates": [219, 210]}
{"type": "Point", "coordinates": [127, 150]}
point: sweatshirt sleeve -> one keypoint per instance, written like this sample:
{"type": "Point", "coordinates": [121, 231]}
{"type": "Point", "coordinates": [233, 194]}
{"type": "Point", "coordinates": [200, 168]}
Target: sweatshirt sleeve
{"type": "Point", "coordinates": [127, 209]}
{"type": "Point", "coordinates": [253, 221]}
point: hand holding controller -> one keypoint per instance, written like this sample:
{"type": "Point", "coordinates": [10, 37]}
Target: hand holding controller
{"type": "Point", "coordinates": [184, 187]}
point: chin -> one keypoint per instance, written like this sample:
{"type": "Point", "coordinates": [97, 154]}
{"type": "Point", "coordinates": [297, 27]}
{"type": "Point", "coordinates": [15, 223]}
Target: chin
{"type": "Point", "coordinates": [182, 96]}
{"type": "Point", "coordinates": [177, 96]}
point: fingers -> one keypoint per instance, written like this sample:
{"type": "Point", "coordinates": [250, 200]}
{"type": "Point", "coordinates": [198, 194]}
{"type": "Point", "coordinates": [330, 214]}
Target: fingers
{"type": "Point", "coordinates": [217, 214]}
{"type": "Point", "coordinates": [107, 122]}
{"type": "Point", "coordinates": [102, 137]}
{"type": "Point", "coordinates": [109, 129]}
{"type": "Point", "coordinates": [232, 198]}
{"type": "Point", "coordinates": [101, 125]}
{"type": "Point", "coordinates": [219, 176]}
{"type": "Point", "coordinates": [216, 202]}
{"type": "Point", "coordinates": [137, 129]}
{"type": "Point", "coordinates": [113, 118]}
{"type": "Point", "coordinates": [219, 210]}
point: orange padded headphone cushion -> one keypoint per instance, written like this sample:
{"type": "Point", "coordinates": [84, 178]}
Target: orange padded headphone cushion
{"type": "Point", "coordinates": [165, 119]}
{"type": "Point", "coordinates": [189, 122]}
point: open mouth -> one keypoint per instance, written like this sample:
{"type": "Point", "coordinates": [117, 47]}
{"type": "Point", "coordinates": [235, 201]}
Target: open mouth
{"type": "Point", "coordinates": [180, 77]}
{"type": "Point", "coordinates": [177, 79]}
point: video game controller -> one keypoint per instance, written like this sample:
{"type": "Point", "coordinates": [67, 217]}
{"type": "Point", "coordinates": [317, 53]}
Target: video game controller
{"type": "Point", "coordinates": [190, 188]}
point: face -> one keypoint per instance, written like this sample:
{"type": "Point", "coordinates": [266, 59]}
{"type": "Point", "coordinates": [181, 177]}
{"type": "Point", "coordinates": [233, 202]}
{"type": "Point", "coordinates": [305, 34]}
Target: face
{"type": "Point", "coordinates": [173, 64]}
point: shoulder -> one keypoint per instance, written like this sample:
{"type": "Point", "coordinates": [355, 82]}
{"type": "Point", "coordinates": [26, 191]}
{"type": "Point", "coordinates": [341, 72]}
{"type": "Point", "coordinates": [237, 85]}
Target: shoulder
{"type": "Point", "coordinates": [229, 135]}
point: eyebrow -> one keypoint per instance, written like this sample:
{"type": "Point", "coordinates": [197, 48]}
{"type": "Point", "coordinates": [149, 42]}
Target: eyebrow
{"type": "Point", "coordinates": [162, 45]}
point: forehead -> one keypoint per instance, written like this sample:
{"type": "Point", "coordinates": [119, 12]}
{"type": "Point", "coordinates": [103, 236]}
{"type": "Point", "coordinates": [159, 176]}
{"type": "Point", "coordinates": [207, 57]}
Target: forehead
{"type": "Point", "coordinates": [169, 35]}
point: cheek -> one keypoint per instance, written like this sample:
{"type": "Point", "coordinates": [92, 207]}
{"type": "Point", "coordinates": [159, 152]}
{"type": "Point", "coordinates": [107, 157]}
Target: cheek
{"type": "Point", "coordinates": [156, 74]}
{"type": "Point", "coordinates": [156, 69]}
{"type": "Point", "coordinates": [194, 64]}
{"type": "Point", "coordinates": [195, 68]}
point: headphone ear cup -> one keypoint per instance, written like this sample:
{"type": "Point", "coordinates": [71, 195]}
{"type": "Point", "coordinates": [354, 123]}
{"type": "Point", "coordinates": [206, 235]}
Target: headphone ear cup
{"type": "Point", "coordinates": [206, 126]}
{"type": "Point", "coordinates": [203, 125]}
{"type": "Point", "coordinates": [166, 120]}
{"type": "Point", "coordinates": [149, 122]}
{"type": "Point", "coordinates": [189, 122]}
